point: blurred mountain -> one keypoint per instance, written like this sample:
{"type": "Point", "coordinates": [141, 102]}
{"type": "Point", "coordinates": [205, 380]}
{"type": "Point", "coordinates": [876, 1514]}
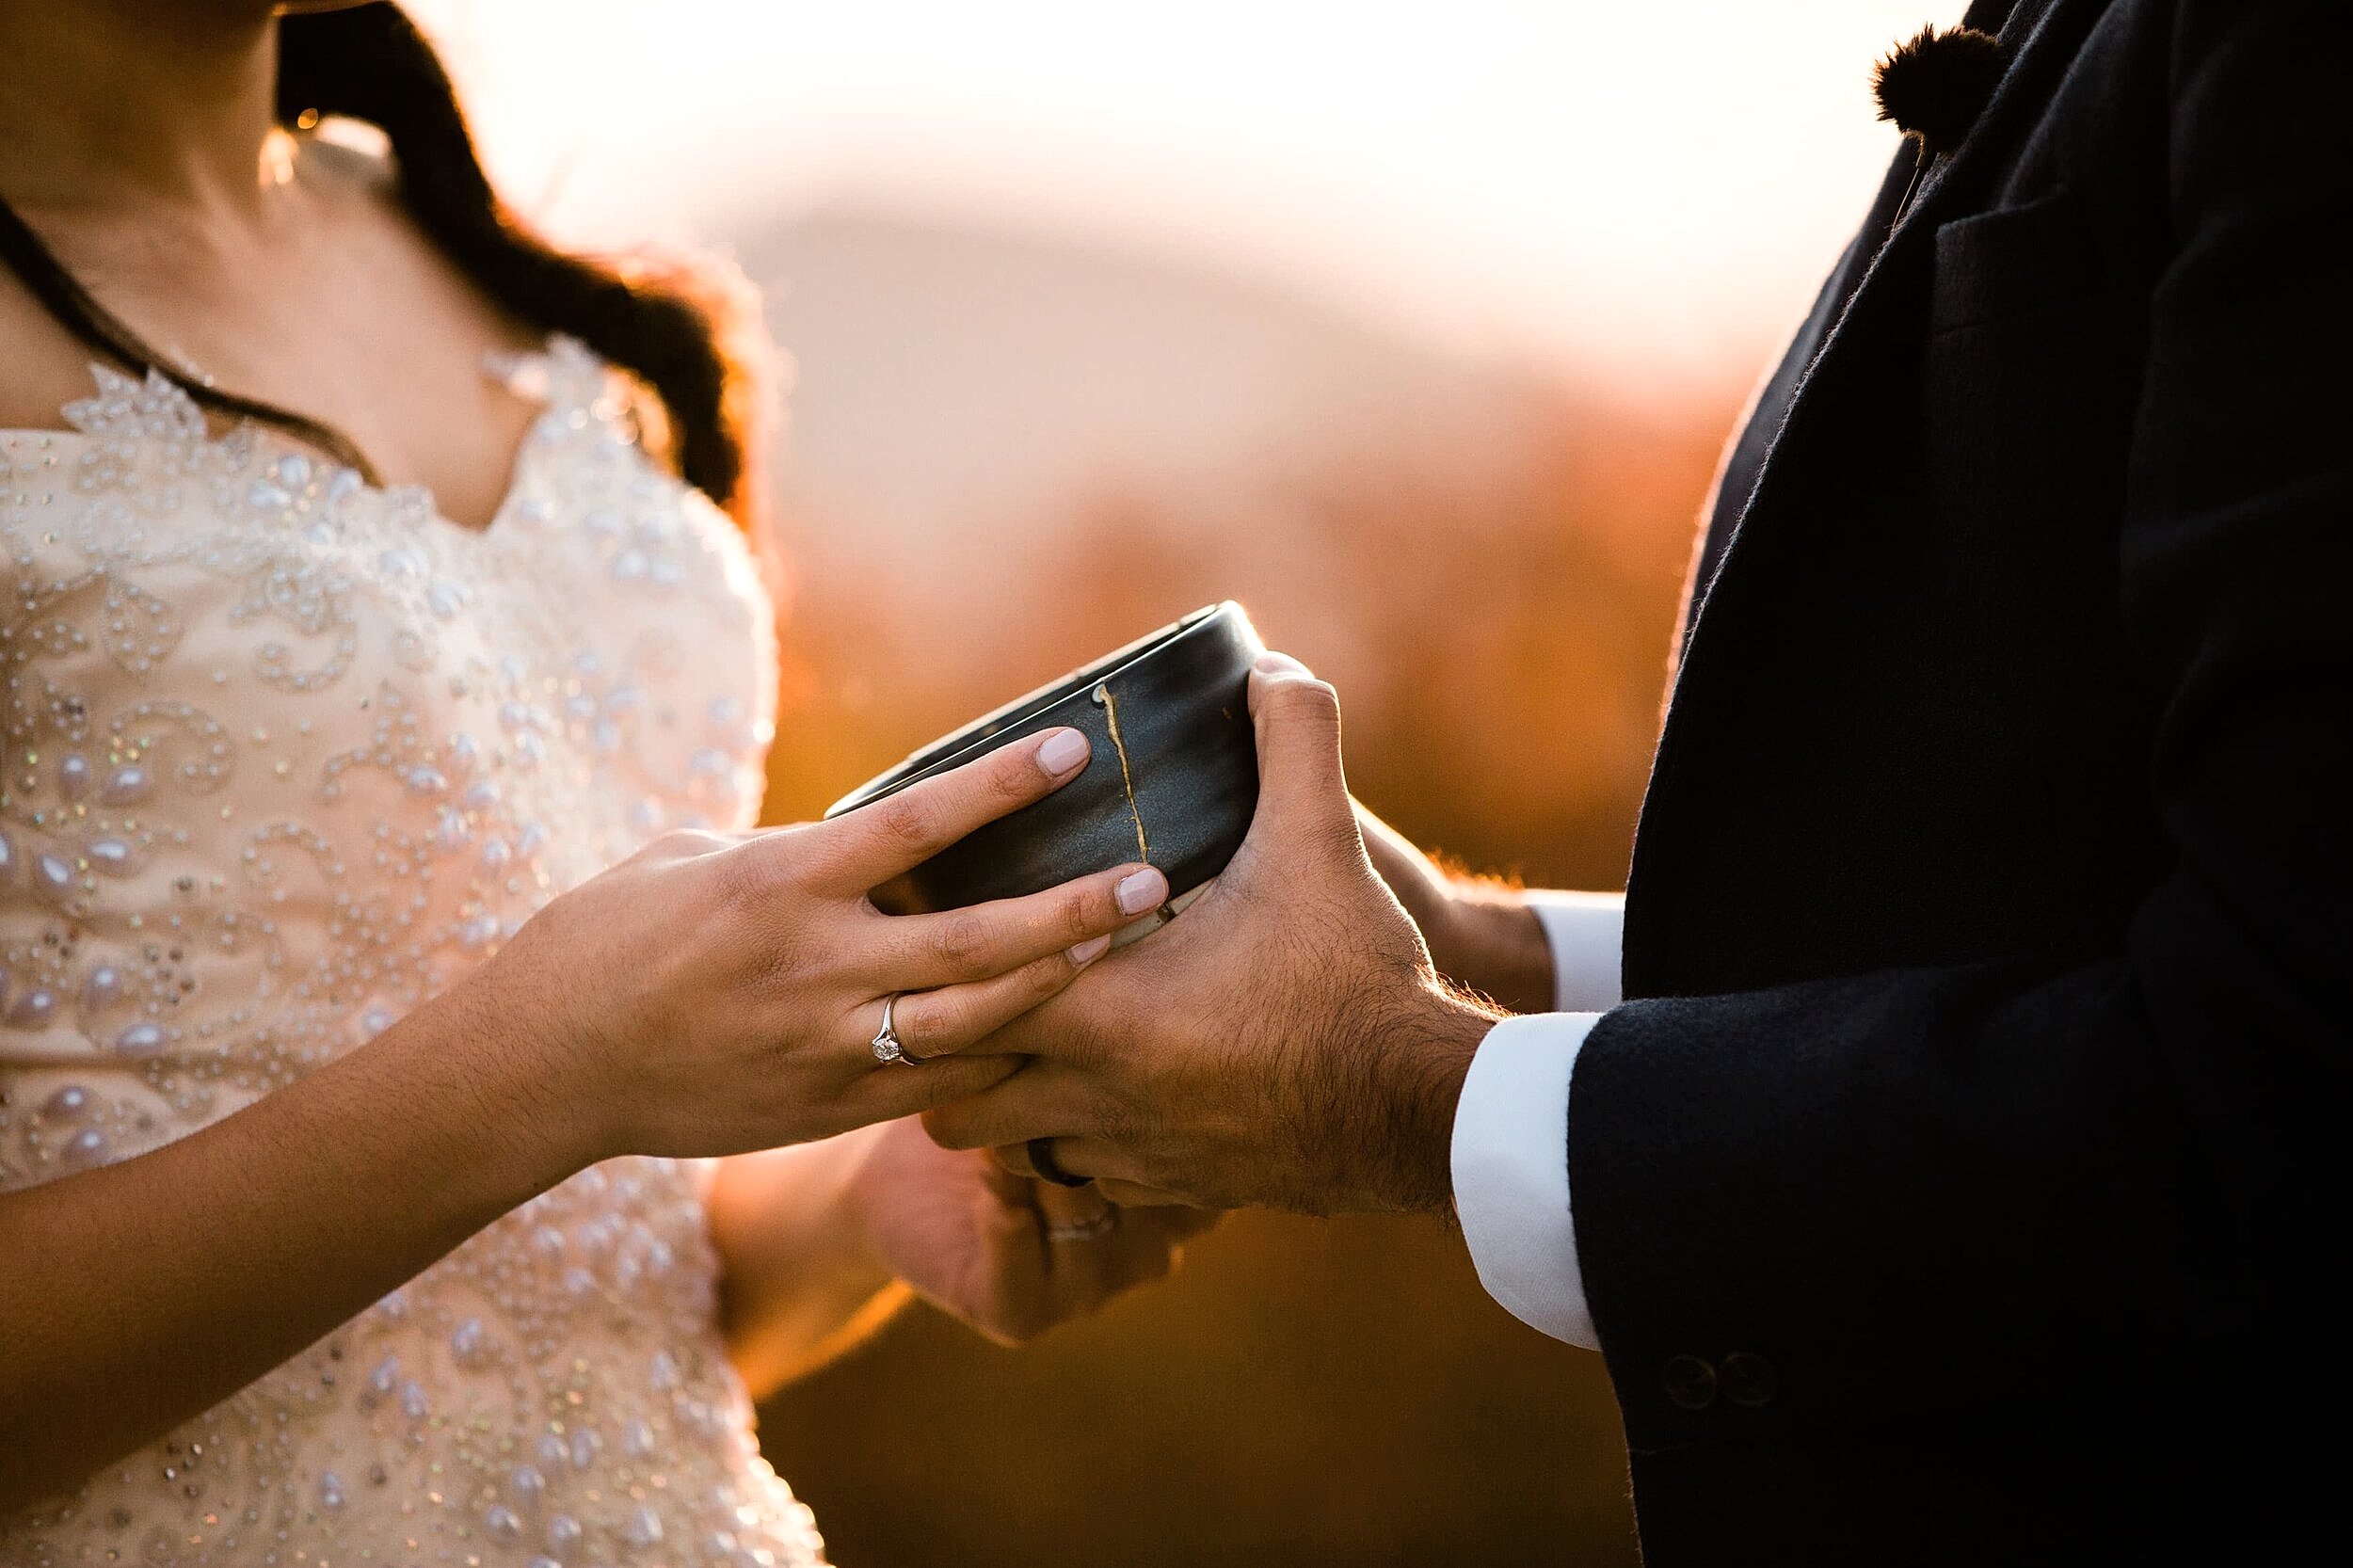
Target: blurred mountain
{"type": "Point", "coordinates": [948, 376]}
{"type": "Point", "coordinates": [1008, 451]}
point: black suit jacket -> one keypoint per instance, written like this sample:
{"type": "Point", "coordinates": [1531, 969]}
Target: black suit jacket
{"type": "Point", "coordinates": [1967, 1178]}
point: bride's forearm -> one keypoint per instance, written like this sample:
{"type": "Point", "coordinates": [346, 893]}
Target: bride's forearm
{"type": "Point", "coordinates": [800, 1282]}
{"type": "Point", "coordinates": [135, 1296]}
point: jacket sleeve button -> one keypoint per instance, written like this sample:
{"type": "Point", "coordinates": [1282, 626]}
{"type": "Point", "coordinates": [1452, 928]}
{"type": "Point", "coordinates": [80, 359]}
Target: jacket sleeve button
{"type": "Point", "coordinates": [1748, 1380]}
{"type": "Point", "coordinates": [1690, 1383]}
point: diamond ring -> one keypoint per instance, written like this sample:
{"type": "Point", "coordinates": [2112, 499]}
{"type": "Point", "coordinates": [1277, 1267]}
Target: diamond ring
{"type": "Point", "coordinates": [887, 1045]}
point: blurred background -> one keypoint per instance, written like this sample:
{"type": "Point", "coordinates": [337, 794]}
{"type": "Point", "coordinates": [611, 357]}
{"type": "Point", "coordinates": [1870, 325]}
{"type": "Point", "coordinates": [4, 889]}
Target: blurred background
{"type": "Point", "coordinates": [1415, 327]}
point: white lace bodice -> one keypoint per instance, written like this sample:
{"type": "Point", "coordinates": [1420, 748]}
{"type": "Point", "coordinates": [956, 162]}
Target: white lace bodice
{"type": "Point", "coordinates": [286, 754]}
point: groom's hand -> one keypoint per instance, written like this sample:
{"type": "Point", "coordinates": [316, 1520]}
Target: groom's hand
{"type": "Point", "coordinates": [1285, 1042]}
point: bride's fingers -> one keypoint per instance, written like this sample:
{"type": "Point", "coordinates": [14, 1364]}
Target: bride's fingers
{"type": "Point", "coordinates": [1135, 1250]}
{"type": "Point", "coordinates": [1068, 1215]}
{"type": "Point", "coordinates": [873, 844]}
{"type": "Point", "coordinates": [943, 1022]}
{"type": "Point", "coordinates": [1093, 1252]}
{"type": "Point", "coordinates": [957, 945]}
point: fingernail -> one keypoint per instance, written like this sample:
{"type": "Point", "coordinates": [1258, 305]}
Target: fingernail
{"type": "Point", "coordinates": [1142, 890]}
{"type": "Point", "coordinates": [1281, 663]}
{"type": "Point", "coordinates": [1064, 750]}
{"type": "Point", "coordinates": [1089, 950]}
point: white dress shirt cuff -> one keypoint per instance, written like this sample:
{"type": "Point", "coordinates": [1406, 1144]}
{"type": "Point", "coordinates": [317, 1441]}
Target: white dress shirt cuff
{"type": "Point", "coordinates": [1510, 1157]}
{"type": "Point", "coordinates": [1586, 933]}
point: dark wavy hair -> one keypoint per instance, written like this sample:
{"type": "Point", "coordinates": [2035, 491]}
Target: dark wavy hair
{"type": "Point", "coordinates": [685, 330]}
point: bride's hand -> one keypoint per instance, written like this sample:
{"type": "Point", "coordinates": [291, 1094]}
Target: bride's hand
{"type": "Point", "coordinates": [1011, 1257]}
{"type": "Point", "coordinates": [718, 993]}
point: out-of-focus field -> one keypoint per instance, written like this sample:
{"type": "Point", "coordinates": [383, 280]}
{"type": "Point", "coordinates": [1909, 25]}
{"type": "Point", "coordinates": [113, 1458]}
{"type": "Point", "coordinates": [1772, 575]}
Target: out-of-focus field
{"type": "Point", "coordinates": [1490, 576]}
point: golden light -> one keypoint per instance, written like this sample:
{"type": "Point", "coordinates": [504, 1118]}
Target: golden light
{"type": "Point", "coordinates": [1659, 185]}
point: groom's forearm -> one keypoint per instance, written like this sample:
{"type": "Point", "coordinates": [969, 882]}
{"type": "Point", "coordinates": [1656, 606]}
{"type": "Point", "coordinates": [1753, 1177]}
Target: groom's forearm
{"type": "Point", "coordinates": [1480, 932]}
{"type": "Point", "coordinates": [1500, 948]}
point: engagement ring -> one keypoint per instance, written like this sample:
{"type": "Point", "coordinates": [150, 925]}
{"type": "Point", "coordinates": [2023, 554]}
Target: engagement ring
{"type": "Point", "coordinates": [887, 1044]}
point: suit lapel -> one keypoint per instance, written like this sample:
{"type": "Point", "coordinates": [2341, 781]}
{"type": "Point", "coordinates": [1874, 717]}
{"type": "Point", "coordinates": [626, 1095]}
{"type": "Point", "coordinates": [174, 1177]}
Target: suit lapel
{"type": "Point", "coordinates": [1762, 422]}
{"type": "Point", "coordinates": [1775, 405]}
{"type": "Point", "coordinates": [1856, 337]}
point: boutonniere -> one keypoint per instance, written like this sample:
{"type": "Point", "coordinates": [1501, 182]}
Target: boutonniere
{"type": "Point", "coordinates": [1933, 87]}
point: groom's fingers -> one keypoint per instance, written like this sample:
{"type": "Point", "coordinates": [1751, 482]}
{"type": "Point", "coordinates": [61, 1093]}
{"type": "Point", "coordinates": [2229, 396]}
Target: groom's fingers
{"type": "Point", "coordinates": [1301, 779]}
{"type": "Point", "coordinates": [1042, 1099]}
{"type": "Point", "coordinates": [1098, 1159]}
{"type": "Point", "coordinates": [1180, 1216]}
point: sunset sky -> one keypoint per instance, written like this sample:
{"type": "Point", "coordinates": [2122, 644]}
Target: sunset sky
{"type": "Point", "coordinates": [1658, 182]}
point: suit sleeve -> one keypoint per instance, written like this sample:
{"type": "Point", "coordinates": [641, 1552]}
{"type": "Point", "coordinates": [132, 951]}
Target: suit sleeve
{"type": "Point", "coordinates": [1918, 1188]}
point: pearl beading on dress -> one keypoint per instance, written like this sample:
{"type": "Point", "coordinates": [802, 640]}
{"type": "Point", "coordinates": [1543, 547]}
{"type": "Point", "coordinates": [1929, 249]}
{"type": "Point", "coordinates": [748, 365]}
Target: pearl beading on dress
{"type": "Point", "coordinates": [286, 755]}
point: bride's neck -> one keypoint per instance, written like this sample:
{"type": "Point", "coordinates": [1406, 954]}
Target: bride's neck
{"type": "Point", "coordinates": [143, 102]}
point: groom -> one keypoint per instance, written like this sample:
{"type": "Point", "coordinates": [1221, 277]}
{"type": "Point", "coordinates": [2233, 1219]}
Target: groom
{"type": "Point", "coordinates": [1962, 1176]}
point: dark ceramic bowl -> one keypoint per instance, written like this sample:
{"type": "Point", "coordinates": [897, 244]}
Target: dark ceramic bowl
{"type": "Point", "coordinates": [1173, 778]}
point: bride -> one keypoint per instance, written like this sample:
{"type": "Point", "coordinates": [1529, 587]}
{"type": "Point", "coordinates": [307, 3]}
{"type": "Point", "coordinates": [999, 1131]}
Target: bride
{"type": "Point", "coordinates": [392, 994]}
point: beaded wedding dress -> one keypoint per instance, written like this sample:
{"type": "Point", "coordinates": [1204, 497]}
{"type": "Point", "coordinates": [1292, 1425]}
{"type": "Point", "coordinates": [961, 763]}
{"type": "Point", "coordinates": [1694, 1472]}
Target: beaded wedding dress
{"type": "Point", "coordinates": [287, 754]}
